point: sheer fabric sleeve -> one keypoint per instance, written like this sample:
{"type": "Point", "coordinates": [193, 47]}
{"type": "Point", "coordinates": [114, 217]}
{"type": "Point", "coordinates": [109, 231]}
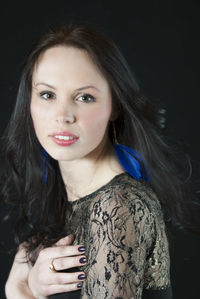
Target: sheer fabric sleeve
{"type": "Point", "coordinates": [121, 234]}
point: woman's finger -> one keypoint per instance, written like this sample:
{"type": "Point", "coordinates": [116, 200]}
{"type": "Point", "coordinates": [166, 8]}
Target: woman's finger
{"type": "Point", "coordinates": [69, 262]}
{"type": "Point", "coordinates": [66, 278]}
{"type": "Point", "coordinates": [61, 251]}
{"type": "Point", "coordinates": [65, 241]}
{"type": "Point", "coordinates": [56, 289]}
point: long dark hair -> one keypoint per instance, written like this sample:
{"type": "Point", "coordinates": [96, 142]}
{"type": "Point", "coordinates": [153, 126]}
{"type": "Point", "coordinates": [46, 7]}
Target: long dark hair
{"type": "Point", "coordinates": [42, 208]}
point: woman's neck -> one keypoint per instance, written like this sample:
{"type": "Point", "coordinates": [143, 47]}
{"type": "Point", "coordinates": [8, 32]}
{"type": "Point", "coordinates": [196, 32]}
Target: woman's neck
{"type": "Point", "coordinates": [84, 176]}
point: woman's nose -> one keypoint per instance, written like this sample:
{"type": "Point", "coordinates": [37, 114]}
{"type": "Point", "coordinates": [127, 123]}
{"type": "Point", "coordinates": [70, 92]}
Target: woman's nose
{"type": "Point", "coordinates": [65, 115]}
{"type": "Point", "coordinates": [68, 118]}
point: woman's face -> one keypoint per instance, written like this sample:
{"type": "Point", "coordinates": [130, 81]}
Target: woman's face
{"type": "Point", "coordinates": [69, 97]}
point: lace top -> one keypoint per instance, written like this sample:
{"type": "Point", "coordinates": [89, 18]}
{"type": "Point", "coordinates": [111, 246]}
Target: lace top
{"type": "Point", "coordinates": [121, 224]}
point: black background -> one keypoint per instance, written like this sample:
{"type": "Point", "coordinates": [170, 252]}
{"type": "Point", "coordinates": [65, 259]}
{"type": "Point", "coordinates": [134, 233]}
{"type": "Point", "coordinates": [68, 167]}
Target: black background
{"type": "Point", "coordinates": [160, 40]}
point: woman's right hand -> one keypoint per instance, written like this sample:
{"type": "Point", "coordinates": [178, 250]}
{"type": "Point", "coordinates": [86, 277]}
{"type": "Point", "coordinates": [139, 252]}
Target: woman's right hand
{"type": "Point", "coordinates": [43, 282]}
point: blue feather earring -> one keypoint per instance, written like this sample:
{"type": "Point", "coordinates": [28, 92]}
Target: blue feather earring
{"type": "Point", "coordinates": [130, 159]}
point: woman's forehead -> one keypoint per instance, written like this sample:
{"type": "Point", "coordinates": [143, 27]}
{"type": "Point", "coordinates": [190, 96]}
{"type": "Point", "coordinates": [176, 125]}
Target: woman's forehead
{"type": "Point", "coordinates": [68, 64]}
{"type": "Point", "coordinates": [67, 55]}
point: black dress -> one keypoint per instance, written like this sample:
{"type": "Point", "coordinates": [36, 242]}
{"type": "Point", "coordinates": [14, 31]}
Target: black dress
{"type": "Point", "coordinates": [121, 224]}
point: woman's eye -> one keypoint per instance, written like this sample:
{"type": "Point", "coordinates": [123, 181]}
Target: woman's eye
{"type": "Point", "coordinates": [47, 95]}
{"type": "Point", "coordinates": [87, 98]}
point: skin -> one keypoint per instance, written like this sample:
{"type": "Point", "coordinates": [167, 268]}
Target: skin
{"type": "Point", "coordinates": [90, 161]}
{"type": "Point", "coordinates": [57, 105]}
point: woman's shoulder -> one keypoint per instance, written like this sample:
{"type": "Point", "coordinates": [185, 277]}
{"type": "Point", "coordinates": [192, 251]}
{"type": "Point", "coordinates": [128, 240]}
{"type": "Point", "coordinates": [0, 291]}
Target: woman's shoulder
{"type": "Point", "coordinates": [130, 204]}
{"type": "Point", "coordinates": [125, 192]}
{"type": "Point", "coordinates": [122, 193]}
{"type": "Point", "coordinates": [124, 187]}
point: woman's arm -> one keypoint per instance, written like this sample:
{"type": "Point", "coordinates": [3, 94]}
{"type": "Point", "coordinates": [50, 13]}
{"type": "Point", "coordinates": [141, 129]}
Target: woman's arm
{"type": "Point", "coordinates": [17, 283]}
{"type": "Point", "coordinates": [121, 235]}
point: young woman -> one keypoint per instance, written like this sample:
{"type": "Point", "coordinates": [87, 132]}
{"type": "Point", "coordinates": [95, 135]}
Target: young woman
{"type": "Point", "coordinates": [89, 174]}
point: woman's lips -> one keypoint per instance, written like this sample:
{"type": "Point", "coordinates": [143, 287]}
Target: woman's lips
{"type": "Point", "coordinates": [64, 138]}
{"type": "Point", "coordinates": [64, 133]}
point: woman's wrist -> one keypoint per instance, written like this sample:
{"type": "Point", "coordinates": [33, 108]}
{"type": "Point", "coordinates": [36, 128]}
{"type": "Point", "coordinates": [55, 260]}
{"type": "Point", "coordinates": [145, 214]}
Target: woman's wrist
{"type": "Point", "coordinates": [18, 291]}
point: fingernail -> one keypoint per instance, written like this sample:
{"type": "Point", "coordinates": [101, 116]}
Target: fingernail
{"type": "Point", "coordinates": [81, 276]}
{"type": "Point", "coordinates": [81, 248]}
{"type": "Point", "coordinates": [83, 260]}
{"type": "Point", "coordinates": [79, 285]}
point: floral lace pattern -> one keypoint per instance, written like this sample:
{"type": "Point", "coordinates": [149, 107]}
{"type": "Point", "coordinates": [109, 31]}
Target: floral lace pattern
{"type": "Point", "coordinates": [121, 224]}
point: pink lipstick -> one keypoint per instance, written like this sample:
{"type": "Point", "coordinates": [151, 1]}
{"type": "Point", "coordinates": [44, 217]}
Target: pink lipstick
{"type": "Point", "coordinates": [64, 138]}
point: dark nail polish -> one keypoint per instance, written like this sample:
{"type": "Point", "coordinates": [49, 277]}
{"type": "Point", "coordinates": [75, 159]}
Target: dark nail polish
{"type": "Point", "coordinates": [81, 248]}
{"type": "Point", "coordinates": [83, 260]}
{"type": "Point", "coordinates": [81, 276]}
{"type": "Point", "coordinates": [79, 285]}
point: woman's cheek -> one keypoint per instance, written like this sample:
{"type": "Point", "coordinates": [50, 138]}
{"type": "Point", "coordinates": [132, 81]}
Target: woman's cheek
{"type": "Point", "coordinates": [40, 116]}
{"type": "Point", "coordinates": [96, 119]}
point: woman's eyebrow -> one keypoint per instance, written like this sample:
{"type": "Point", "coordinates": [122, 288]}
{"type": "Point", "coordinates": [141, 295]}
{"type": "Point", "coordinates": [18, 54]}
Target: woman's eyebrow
{"type": "Point", "coordinates": [88, 86]}
{"type": "Point", "coordinates": [80, 88]}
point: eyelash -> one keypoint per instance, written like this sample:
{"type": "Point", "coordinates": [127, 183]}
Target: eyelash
{"type": "Point", "coordinates": [51, 94]}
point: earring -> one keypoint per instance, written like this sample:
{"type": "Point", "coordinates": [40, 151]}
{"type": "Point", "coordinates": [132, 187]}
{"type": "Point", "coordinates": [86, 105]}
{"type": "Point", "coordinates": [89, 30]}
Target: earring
{"type": "Point", "coordinates": [130, 159]}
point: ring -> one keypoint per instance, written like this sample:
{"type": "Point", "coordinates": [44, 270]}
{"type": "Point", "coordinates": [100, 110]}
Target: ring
{"type": "Point", "coordinates": [52, 267]}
